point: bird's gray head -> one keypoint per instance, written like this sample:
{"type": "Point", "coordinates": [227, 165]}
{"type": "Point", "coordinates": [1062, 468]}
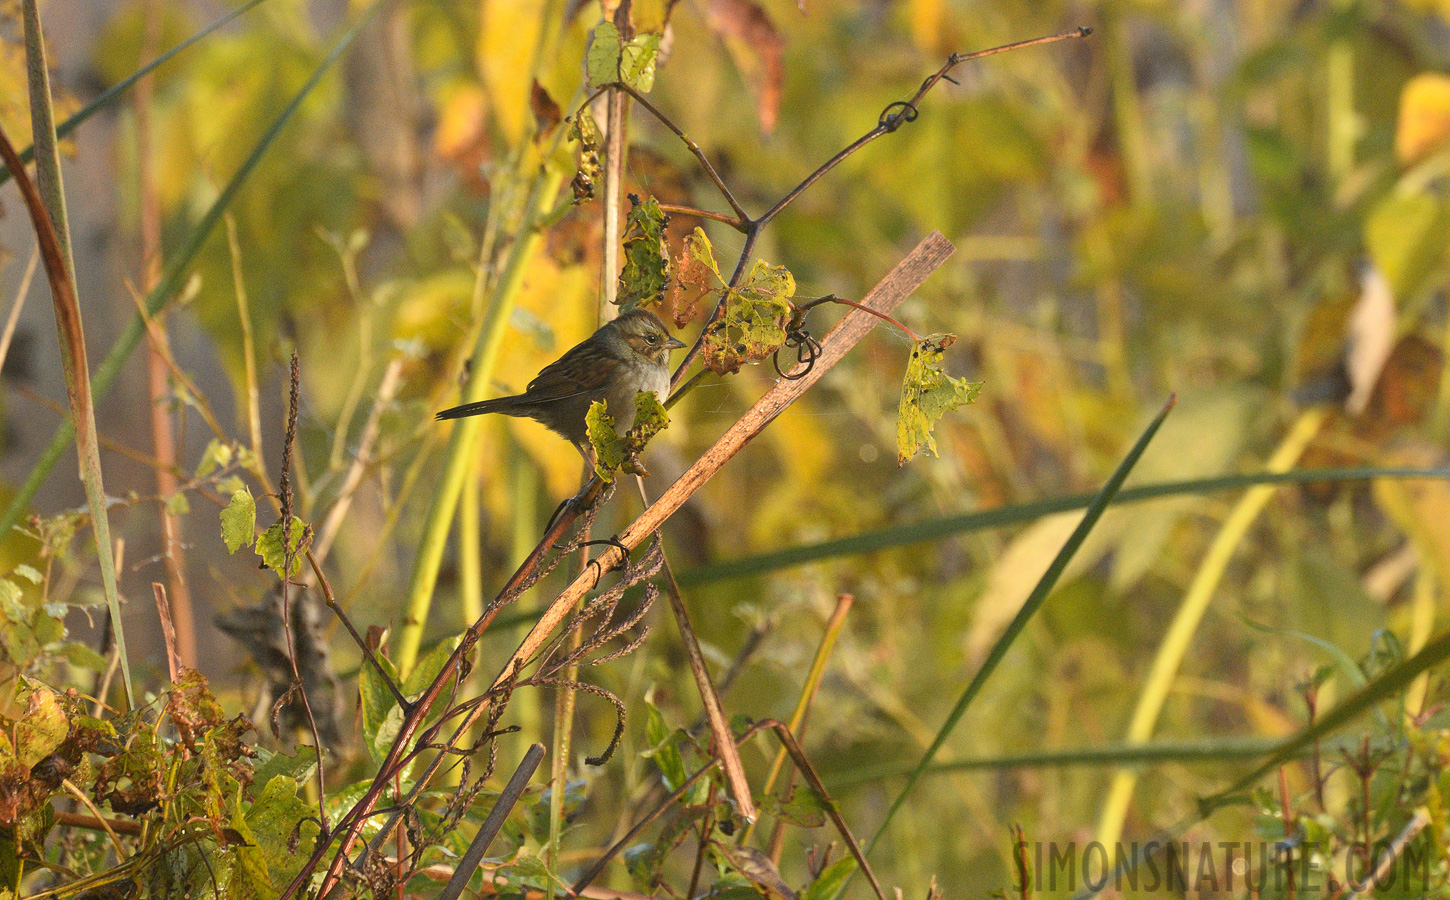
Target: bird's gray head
{"type": "Point", "coordinates": [646, 335]}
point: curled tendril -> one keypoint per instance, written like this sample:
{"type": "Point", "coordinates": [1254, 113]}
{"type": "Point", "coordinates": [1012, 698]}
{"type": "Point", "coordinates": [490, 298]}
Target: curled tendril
{"type": "Point", "coordinates": [897, 114]}
{"type": "Point", "coordinates": [807, 349]}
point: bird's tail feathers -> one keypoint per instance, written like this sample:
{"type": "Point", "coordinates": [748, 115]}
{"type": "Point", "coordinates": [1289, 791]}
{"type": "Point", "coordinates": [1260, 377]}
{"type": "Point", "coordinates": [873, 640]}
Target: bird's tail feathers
{"type": "Point", "coordinates": [503, 405]}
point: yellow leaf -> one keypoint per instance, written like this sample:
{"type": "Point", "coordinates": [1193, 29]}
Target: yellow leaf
{"type": "Point", "coordinates": [1424, 125]}
{"type": "Point", "coordinates": [506, 45]}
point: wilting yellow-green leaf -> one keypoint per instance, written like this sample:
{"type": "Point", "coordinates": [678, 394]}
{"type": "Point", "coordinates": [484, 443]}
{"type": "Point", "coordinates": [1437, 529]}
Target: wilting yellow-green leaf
{"type": "Point", "coordinates": [927, 394]}
{"type": "Point", "coordinates": [602, 61]}
{"type": "Point", "coordinates": [646, 271]}
{"type": "Point", "coordinates": [650, 419]}
{"type": "Point", "coordinates": [585, 131]}
{"type": "Point", "coordinates": [752, 325]}
{"type": "Point", "coordinates": [239, 521]}
{"type": "Point", "coordinates": [269, 546]}
{"type": "Point", "coordinates": [41, 730]}
{"type": "Point", "coordinates": [608, 445]}
{"type": "Point", "coordinates": [696, 261]}
{"type": "Point", "coordinates": [637, 62]}
{"type": "Point", "coordinates": [613, 450]}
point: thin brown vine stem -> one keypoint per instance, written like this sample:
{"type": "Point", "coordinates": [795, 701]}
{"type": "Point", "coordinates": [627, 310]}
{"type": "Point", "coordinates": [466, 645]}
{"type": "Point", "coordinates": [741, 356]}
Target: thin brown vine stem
{"type": "Point", "coordinates": [707, 827]}
{"type": "Point", "coordinates": [694, 149]}
{"type": "Point", "coordinates": [704, 214]}
{"type": "Point", "coordinates": [367, 653]}
{"type": "Point", "coordinates": [832, 298]}
{"type": "Point", "coordinates": [887, 123]}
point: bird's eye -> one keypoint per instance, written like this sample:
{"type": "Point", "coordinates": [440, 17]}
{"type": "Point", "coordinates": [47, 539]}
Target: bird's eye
{"type": "Point", "coordinates": [653, 338]}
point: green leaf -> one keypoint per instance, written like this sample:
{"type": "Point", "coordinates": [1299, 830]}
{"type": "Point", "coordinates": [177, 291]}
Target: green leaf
{"type": "Point", "coordinates": [239, 521]}
{"type": "Point", "coordinates": [41, 730]}
{"type": "Point", "coordinates": [830, 880]}
{"type": "Point", "coordinates": [602, 61]}
{"type": "Point", "coordinates": [217, 455]}
{"type": "Point", "coordinates": [427, 667]}
{"type": "Point", "coordinates": [584, 130]}
{"type": "Point", "coordinates": [613, 451]}
{"type": "Point", "coordinates": [927, 394]}
{"type": "Point", "coordinates": [646, 271]}
{"type": "Point", "coordinates": [637, 62]}
{"type": "Point", "coordinates": [298, 768]}
{"type": "Point", "coordinates": [84, 657]}
{"type": "Point", "coordinates": [269, 546]}
{"type": "Point", "coordinates": [28, 573]}
{"type": "Point", "coordinates": [12, 603]}
{"type": "Point", "coordinates": [805, 807]}
{"type": "Point", "coordinates": [608, 445]}
{"type": "Point", "coordinates": [377, 703]}
{"type": "Point", "coordinates": [664, 748]}
{"type": "Point", "coordinates": [177, 504]}
{"type": "Point", "coordinates": [1405, 237]}
{"type": "Point", "coordinates": [752, 326]}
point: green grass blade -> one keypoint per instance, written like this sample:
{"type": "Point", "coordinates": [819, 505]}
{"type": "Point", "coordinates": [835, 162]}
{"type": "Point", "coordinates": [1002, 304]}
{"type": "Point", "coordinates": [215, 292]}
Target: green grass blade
{"type": "Point", "coordinates": [1034, 601]}
{"type": "Point", "coordinates": [172, 278]}
{"type": "Point", "coordinates": [947, 526]}
{"type": "Point", "coordinates": [1379, 689]}
{"type": "Point", "coordinates": [116, 90]}
{"type": "Point", "coordinates": [1199, 751]}
{"type": "Point", "coordinates": [60, 265]}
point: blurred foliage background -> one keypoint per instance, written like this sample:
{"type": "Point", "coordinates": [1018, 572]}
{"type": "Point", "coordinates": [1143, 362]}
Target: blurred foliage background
{"type": "Point", "coordinates": [1241, 201]}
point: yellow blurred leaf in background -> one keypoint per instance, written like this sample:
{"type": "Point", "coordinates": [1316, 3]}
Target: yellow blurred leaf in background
{"type": "Point", "coordinates": [1424, 124]}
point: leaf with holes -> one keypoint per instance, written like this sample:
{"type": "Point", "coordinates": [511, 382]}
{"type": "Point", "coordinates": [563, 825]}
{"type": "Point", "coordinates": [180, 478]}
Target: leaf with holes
{"type": "Point", "coordinates": [637, 62]}
{"type": "Point", "coordinates": [752, 325]}
{"type": "Point", "coordinates": [696, 275]}
{"type": "Point", "coordinates": [612, 450]}
{"type": "Point", "coordinates": [585, 131]}
{"type": "Point", "coordinates": [646, 271]}
{"type": "Point", "coordinates": [239, 521]}
{"type": "Point", "coordinates": [927, 394]}
{"type": "Point", "coordinates": [608, 445]}
{"type": "Point", "coordinates": [269, 546]}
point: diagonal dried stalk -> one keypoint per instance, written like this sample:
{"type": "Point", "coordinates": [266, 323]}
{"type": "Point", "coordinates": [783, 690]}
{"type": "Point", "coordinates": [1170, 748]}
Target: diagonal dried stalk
{"type": "Point", "coordinates": [893, 290]}
{"type": "Point", "coordinates": [78, 388]}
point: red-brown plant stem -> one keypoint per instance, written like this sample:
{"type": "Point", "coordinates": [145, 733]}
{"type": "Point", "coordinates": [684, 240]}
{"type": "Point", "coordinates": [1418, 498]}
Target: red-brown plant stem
{"type": "Point", "coordinates": [78, 377]}
{"type": "Point", "coordinates": [900, 283]}
{"type": "Point", "coordinates": [163, 437]}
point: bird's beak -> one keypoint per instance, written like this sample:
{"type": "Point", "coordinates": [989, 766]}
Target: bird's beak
{"type": "Point", "coordinates": [674, 344]}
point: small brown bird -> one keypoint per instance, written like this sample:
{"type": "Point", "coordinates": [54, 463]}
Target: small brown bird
{"type": "Point", "coordinates": [625, 356]}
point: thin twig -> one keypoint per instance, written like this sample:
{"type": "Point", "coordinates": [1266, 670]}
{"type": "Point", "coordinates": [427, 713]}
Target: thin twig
{"type": "Point", "coordinates": [387, 390]}
{"type": "Point", "coordinates": [709, 699]}
{"type": "Point", "coordinates": [703, 214]}
{"type": "Point", "coordinates": [493, 824]}
{"type": "Point", "coordinates": [367, 651]}
{"type": "Point", "coordinates": [20, 295]}
{"type": "Point", "coordinates": [891, 118]}
{"type": "Point", "coordinates": [741, 214]}
{"type": "Point", "coordinates": [100, 820]}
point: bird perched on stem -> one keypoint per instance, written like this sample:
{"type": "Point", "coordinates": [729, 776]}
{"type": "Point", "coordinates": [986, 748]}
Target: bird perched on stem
{"type": "Point", "coordinates": [625, 356]}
